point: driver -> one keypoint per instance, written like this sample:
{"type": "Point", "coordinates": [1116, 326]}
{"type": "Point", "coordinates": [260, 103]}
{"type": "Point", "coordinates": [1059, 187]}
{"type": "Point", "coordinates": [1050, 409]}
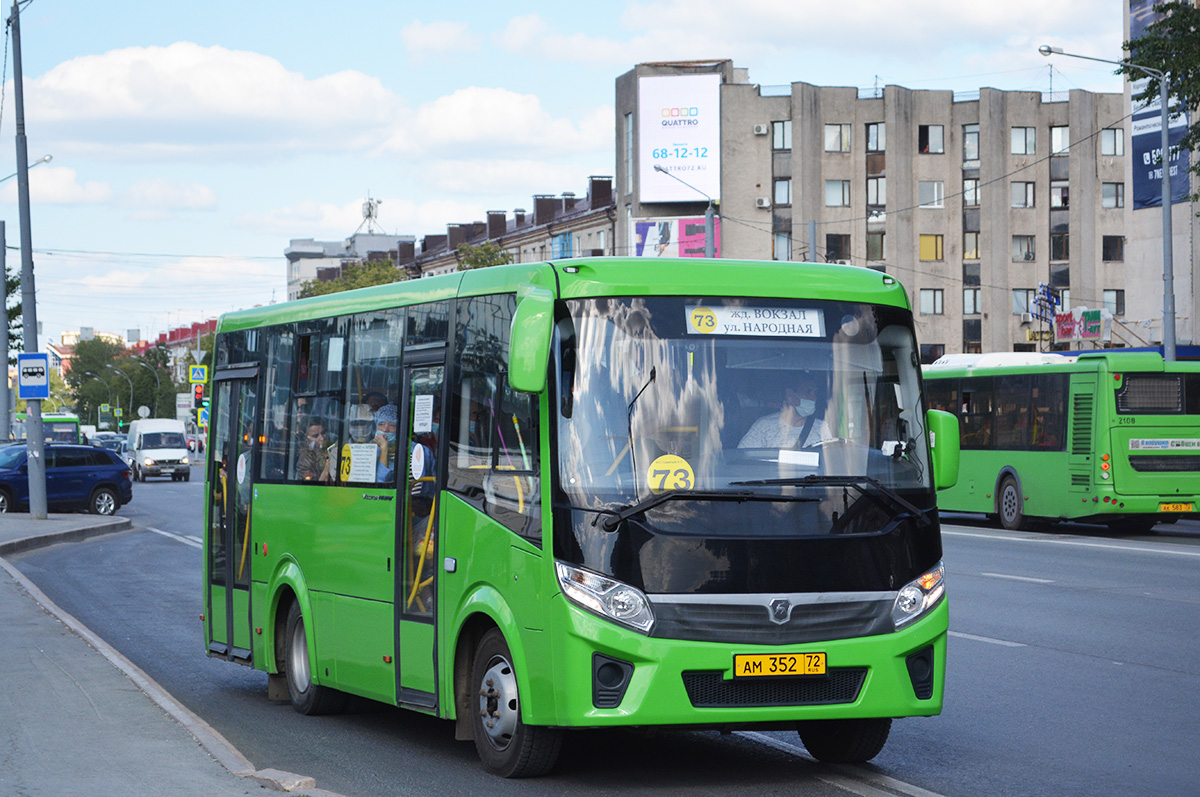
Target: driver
{"type": "Point", "coordinates": [798, 423]}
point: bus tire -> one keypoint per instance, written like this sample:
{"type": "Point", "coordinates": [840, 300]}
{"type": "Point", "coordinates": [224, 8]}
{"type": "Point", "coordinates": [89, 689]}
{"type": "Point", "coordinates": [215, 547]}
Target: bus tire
{"type": "Point", "coordinates": [506, 745]}
{"type": "Point", "coordinates": [307, 698]}
{"type": "Point", "coordinates": [1012, 505]}
{"type": "Point", "coordinates": [849, 741]}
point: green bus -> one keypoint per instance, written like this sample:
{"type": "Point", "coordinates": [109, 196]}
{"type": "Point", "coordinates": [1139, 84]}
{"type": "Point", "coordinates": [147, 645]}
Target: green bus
{"type": "Point", "coordinates": [520, 498]}
{"type": "Point", "coordinates": [57, 427]}
{"type": "Point", "coordinates": [1101, 437]}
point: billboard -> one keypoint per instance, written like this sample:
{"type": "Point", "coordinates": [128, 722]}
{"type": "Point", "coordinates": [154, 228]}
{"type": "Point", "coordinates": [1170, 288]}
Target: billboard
{"type": "Point", "coordinates": [1146, 131]}
{"type": "Point", "coordinates": [679, 129]}
{"type": "Point", "coordinates": [674, 237]}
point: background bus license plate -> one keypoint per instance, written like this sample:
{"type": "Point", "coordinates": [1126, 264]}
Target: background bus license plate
{"type": "Point", "coordinates": [775, 664]}
{"type": "Point", "coordinates": [1174, 507]}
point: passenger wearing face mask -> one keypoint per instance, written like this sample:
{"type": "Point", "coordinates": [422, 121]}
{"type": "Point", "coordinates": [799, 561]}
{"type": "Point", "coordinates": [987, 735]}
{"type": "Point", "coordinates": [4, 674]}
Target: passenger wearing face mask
{"type": "Point", "coordinates": [385, 438]}
{"type": "Point", "coordinates": [798, 424]}
{"type": "Point", "coordinates": [313, 463]}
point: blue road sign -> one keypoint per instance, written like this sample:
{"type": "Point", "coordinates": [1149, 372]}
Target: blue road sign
{"type": "Point", "coordinates": [197, 373]}
{"type": "Point", "coordinates": [33, 376]}
{"type": "Point", "coordinates": [202, 418]}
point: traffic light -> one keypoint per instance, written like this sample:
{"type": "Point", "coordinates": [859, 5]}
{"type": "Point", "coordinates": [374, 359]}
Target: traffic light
{"type": "Point", "coordinates": [198, 394]}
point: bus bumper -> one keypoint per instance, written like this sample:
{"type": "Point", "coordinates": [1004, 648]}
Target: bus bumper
{"type": "Point", "coordinates": [673, 682]}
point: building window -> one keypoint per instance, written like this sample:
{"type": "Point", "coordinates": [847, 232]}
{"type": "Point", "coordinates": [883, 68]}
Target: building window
{"type": "Point", "coordinates": [837, 138]}
{"type": "Point", "coordinates": [1114, 302]}
{"type": "Point", "coordinates": [876, 246]}
{"type": "Point", "coordinates": [1022, 194]}
{"type": "Point", "coordinates": [970, 274]}
{"type": "Point", "coordinates": [837, 193]}
{"type": "Point", "coordinates": [972, 335]}
{"type": "Point", "coordinates": [1023, 140]}
{"type": "Point", "coordinates": [930, 247]}
{"type": "Point", "coordinates": [1060, 194]}
{"type": "Point", "coordinates": [1064, 296]}
{"type": "Point", "coordinates": [837, 247]}
{"type": "Point", "coordinates": [1113, 248]}
{"type": "Point", "coordinates": [931, 301]}
{"type": "Point", "coordinates": [877, 191]}
{"type": "Point", "coordinates": [1022, 248]}
{"type": "Point", "coordinates": [1060, 275]}
{"type": "Point", "coordinates": [1060, 246]}
{"type": "Point", "coordinates": [970, 246]}
{"type": "Point", "coordinates": [628, 153]}
{"type": "Point", "coordinates": [1112, 141]}
{"type": "Point", "coordinates": [970, 143]}
{"type": "Point", "coordinates": [1112, 195]}
{"type": "Point", "coordinates": [783, 192]}
{"type": "Point", "coordinates": [931, 351]}
{"type": "Point", "coordinates": [876, 137]}
{"type": "Point", "coordinates": [971, 192]}
{"type": "Point", "coordinates": [971, 297]}
{"type": "Point", "coordinates": [929, 139]}
{"type": "Point", "coordinates": [931, 194]}
{"type": "Point", "coordinates": [781, 135]}
{"type": "Point", "coordinates": [783, 246]}
{"type": "Point", "coordinates": [1022, 300]}
{"type": "Point", "coordinates": [1060, 140]}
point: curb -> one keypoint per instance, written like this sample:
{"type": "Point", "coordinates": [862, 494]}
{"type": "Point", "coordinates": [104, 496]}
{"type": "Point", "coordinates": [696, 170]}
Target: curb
{"type": "Point", "coordinates": [216, 745]}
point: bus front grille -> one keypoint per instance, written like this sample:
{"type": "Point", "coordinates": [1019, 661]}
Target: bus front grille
{"type": "Point", "coordinates": [751, 623]}
{"type": "Point", "coordinates": [1157, 464]}
{"type": "Point", "coordinates": [711, 690]}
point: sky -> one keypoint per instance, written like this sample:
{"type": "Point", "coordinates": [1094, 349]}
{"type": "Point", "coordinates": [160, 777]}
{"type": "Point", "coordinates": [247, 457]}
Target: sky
{"type": "Point", "coordinates": [190, 142]}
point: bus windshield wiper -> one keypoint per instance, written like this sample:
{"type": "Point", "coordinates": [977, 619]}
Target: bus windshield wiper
{"type": "Point", "coordinates": [860, 483]}
{"type": "Point", "coordinates": [613, 519]}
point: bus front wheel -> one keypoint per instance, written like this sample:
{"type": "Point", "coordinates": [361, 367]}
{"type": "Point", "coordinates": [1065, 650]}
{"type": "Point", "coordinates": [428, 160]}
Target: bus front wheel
{"type": "Point", "coordinates": [1012, 506]}
{"type": "Point", "coordinates": [307, 697]}
{"type": "Point", "coordinates": [506, 745]}
{"type": "Point", "coordinates": [849, 741]}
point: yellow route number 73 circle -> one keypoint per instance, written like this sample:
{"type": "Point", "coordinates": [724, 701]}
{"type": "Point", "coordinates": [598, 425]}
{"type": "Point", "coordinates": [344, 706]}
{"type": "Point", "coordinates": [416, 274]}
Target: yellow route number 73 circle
{"type": "Point", "coordinates": [670, 472]}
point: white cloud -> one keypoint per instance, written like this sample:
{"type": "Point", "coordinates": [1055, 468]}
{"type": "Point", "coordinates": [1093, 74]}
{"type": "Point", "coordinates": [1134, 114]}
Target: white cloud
{"type": "Point", "coordinates": [163, 195]}
{"type": "Point", "coordinates": [505, 178]}
{"type": "Point", "coordinates": [58, 185]}
{"type": "Point", "coordinates": [530, 34]}
{"type": "Point", "coordinates": [422, 40]}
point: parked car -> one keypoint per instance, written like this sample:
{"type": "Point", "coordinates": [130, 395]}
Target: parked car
{"type": "Point", "coordinates": [77, 477]}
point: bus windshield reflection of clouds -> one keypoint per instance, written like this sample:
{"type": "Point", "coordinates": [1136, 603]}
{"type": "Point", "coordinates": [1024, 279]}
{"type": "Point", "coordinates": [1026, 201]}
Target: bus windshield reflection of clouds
{"type": "Point", "coordinates": [845, 402]}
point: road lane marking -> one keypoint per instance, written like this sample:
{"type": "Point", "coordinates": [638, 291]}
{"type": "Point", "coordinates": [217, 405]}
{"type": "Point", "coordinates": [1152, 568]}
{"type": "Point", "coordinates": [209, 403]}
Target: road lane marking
{"type": "Point", "coordinates": [1074, 543]}
{"type": "Point", "coordinates": [176, 537]}
{"type": "Point", "coordinates": [851, 779]}
{"type": "Point", "coordinates": [1019, 578]}
{"type": "Point", "coordinates": [988, 639]}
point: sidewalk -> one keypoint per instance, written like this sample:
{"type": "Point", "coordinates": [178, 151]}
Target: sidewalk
{"type": "Point", "coordinates": [77, 717]}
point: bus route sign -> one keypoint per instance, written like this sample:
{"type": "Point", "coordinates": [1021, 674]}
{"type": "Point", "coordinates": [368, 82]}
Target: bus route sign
{"type": "Point", "coordinates": [33, 376]}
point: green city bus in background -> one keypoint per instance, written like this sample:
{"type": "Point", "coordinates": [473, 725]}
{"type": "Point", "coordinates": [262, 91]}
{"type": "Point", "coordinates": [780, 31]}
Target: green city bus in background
{"type": "Point", "coordinates": [57, 427]}
{"type": "Point", "coordinates": [519, 498]}
{"type": "Point", "coordinates": [1102, 437]}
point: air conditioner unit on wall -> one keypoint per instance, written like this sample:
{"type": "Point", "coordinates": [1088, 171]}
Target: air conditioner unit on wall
{"type": "Point", "coordinates": [1026, 318]}
{"type": "Point", "coordinates": [761, 130]}
{"type": "Point", "coordinates": [762, 202]}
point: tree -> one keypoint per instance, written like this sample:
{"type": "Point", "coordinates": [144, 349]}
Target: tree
{"type": "Point", "coordinates": [88, 379]}
{"type": "Point", "coordinates": [16, 335]}
{"type": "Point", "coordinates": [1171, 45]}
{"type": "Point", "coordinates": [482, 256]}
{"type": "Point", "coordinates": [362, 275]}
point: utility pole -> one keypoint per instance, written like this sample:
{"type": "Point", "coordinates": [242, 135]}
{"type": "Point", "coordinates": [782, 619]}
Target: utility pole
{"type": "Point", "coordinates": [5, 407]}
{"type": "Point", "coordinates": [34, 436]}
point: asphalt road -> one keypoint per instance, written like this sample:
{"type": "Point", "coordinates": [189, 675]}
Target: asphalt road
{"type": "Point", "coordinates": [1073, 668]}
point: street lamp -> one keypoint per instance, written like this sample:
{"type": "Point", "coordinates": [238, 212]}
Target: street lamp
{"type": "Point", "coordinates": [105, 386]}
{"type": "Point", "coordinates": [1168, 261]}
{"type": "Point", "coordinates": [38, 162]}
{"type": "Point", "coordinates": [157, 381]}
{"type": "Point", "coordinates": [710, 248]}
{"type": "Point", "coordinates": [127, 379]}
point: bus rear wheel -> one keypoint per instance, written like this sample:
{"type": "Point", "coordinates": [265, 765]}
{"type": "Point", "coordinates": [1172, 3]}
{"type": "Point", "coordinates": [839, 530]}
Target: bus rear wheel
{"type": "Point", "coordinates": [1012, 506]}
{"type": "Point", "coordinates": [506, 745]}
{"type": "Point", "coordinates": [850, 741]}
{"type": "Point", "coordinates": [307, 697]}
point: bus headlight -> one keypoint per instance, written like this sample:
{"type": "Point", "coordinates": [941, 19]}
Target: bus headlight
{"type": "Point", "coordinates": [606, 596]}
{"type": "Point", "coordinates": [919, 596]}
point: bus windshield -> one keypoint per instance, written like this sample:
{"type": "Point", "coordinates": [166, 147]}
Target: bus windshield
{"type": "Point", "coordinates": [731, 396]}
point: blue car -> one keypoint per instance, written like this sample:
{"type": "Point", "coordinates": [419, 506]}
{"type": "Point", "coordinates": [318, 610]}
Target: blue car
{"type": "Point", "coordinates": [77, 477]}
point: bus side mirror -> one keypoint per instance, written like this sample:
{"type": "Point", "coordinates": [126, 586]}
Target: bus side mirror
{"type": "Point", "coordinates": [529, 341]}
{"type": "Point", "coordinates": [943, 443]}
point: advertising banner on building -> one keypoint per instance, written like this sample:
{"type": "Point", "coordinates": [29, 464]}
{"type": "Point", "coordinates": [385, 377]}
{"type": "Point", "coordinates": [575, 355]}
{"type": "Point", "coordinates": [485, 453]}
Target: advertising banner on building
{"type": "Point", "coordinates": [677, 237]}
{"type": "Point", "coordinates": [679, 129]}
{"type": "Point", "coordinates": [1082, 324]}
{"type": "Point", "coordinates": [1146, 127]}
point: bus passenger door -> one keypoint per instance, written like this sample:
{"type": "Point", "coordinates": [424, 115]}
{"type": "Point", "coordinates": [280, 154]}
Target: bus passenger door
{"type": "Point", "coordinates": [230, 489]}
{"type": "Point", "coordinates": [417, 547]}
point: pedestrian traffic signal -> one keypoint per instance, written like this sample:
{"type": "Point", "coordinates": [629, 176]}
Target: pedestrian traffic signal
{"type": "Point", "coordinates": [198, 394]}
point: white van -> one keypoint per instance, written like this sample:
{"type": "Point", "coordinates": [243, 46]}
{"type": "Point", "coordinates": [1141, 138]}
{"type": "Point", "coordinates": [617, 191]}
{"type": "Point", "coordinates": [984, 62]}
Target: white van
{"type": "Point", "coordinates": [158, 447]}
